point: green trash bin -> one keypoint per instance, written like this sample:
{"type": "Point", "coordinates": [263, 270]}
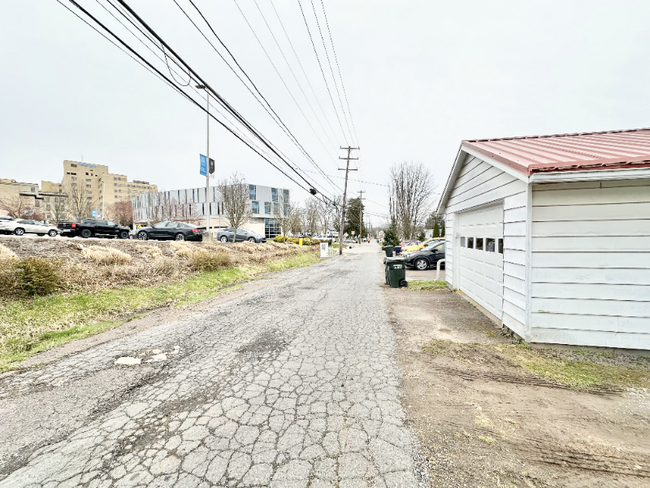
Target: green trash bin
{"type": "Point", "coordinates": [396, 272]}
{"type": "Point", "coordinates": [389, 250]}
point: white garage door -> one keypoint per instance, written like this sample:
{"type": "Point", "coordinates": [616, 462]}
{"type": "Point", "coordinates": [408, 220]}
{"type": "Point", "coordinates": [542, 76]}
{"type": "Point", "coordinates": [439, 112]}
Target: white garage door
{"type": "Point", "coordinates": [481, 257]}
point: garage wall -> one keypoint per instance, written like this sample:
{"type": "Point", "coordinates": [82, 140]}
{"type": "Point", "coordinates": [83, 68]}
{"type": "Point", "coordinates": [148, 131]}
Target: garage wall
{"type": "Point", "coordinates": [590, 275]}
{"type": "Point", "coordinates": [480, 183]}
{"type": "Point", "coordinates": [514, 262]}
{"type": "Point", "coordinates": [449, 243]}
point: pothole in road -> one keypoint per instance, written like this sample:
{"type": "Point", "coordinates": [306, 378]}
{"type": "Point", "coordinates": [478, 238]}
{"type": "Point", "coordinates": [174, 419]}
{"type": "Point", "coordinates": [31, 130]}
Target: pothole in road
{"type": "Point", "coordinates": [148, 356]}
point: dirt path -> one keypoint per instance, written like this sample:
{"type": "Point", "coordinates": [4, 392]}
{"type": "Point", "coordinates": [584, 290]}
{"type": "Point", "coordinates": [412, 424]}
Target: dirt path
{"type": "Point", "coordinates": [485, 421]}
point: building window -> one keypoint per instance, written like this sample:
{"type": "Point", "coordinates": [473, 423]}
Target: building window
{"type": "Point", "coordinates": [285, 196]}
{"type": "Point", "coordinates": [256, 207]}
{"type": "Point", "coordinates": [252, 192]}
{"type": "Point", "coordinates": [489, 245]}
{"type": "Point", "coordinates": [501, 246]}
{"type": "Point", "coordinates": [462, 242]}
{"type": "Point", "coordinates": [274, 194]}
{"type": "Point", "coordinates": [267, 208]}
{"type": "Point", "coordinates": [479, 243]}
{"type": "Point", "coordinates": [470, 242]}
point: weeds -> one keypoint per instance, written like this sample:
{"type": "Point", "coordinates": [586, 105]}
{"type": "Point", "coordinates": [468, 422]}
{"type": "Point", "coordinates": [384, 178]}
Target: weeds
{"type": "Point", "coordinates": [35, 277]}
{"type": "Point", "coordinates": [421, 285]}
{"type": "Point", "coordinates": [105, 255]}
{"type": "Point", "coordinates": [574, 369]}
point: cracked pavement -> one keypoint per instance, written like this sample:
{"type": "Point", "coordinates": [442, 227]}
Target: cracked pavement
{"type": "Point", "coordinates": [291, 385]}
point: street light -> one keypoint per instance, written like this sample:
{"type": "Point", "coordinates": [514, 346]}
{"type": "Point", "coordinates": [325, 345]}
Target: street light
{"type": "Point", "coordinates": [207, 155]}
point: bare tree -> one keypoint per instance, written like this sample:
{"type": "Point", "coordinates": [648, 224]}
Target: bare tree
{"type": "Point", "coordinates": [59, 208]}
{"type": "Point", "coordinates": [236, 200]}
{"type": "Point", "coordinates": [16, 207]}
{"type": "Point", "coordinates": [80, 205]}
{"type": "Point", "coordinates": [325, 213]}
{"type": "Point", "coordinates": [122, 212]}
{"type": "Point", "coordinates": [311, 216]}
{"type": "Point", "coordinates": [410, 191]}
{"type": "Point", "coordinates": [283, 213]}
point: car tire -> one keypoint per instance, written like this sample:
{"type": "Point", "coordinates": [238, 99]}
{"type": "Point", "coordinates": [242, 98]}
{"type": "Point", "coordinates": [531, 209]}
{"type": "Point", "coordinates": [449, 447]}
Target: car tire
{"type": "Point", "coordinates": [223, 239]}
{"type": "Point", "coordinates": [179, 237]}
{"type": "Point", "coordinates": [421, 264]}
{"type": "Point", "coordinates": [19, 231]}
{"type": "Point", "coordinates": [85, 233]}
{"type": "Point", "coordinates": [143, 236]}
{"type": "Point", "coordinates": [52, 233]}
{"type": "Point", "coordinates": [252, 239]}
{"type": "Point", "coordinates": [124, 235]}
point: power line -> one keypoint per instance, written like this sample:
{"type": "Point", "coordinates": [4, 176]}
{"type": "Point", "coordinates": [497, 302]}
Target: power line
{"type": "Point", "coordinates": [292, 73]}
{"type": "Point", "coordinates": [184, 94]}
{"type": "Point", "coordinates": [329, 63]}
{"type": "Point", "coordinates": [285, 85]}
{"type": "Point", "coordinates": [302, 67]}
{"type": "Point", "coordinates": [338, 67]}
{"type": "Point", "coordinates": [270, 111]}
{"type": "Point", "coordinates": [329, 92]}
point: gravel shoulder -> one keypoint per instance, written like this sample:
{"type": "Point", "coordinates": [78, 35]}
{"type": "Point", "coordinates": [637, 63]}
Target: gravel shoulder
{"type": "Point", "coordinates": [485, 421]}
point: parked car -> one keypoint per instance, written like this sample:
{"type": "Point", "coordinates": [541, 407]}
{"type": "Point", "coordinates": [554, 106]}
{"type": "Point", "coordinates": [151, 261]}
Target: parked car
{"type": "Point", "coordinates": [425, 258]}
{"type": "Point", "coordinates": [225, 235]}
{"type": "Point", "coordinates": [23, 226]}
{"type": "Point", "coordinates": [409, 242]}
{"type": "Point", "coordinates": [178, 231]}
{"type": "Point", "coordinates": [416, 247]}
{"type": "Point", "coordinates": [93, 228]}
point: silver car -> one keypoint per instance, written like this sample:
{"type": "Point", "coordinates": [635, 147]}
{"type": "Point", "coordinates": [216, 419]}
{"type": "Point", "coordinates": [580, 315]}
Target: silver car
{"type": "Point", "coordinates": [24, 226]}
{"type": "Point", "coordinates": [225, 235]}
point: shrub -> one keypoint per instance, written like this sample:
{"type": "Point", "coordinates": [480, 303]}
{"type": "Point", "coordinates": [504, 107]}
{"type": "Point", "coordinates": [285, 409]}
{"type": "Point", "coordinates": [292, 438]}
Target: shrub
{"type": "Point", "coordinates": [306, 241]}
{"type": "Point", "coordinates": [209, 261]}
{"type": "Point", "coordinates": [36, 276]}
{"type": "Point", "coordinates": [105, 255]}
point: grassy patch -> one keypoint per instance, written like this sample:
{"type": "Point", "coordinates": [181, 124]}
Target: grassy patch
{"type": "Point", "coordinates": [30, 326]}
{"type": "Point", "coordinates": [423, 285]}
{"type": "Point", "coordinates": [574, 368]}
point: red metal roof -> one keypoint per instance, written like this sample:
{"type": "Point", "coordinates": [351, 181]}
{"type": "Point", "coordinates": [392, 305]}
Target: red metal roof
{"type": "Point", "coordinates": [569, 152]}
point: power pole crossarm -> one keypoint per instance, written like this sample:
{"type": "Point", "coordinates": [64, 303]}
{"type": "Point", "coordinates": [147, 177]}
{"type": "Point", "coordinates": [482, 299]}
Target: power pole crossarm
{"type": "Point", "coordinates": [347, 170]}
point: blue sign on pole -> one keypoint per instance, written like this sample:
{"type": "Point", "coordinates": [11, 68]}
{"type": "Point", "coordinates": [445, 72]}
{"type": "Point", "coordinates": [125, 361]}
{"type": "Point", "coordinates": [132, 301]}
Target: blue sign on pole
{"type": "Point", "coordinates": [204, 165]}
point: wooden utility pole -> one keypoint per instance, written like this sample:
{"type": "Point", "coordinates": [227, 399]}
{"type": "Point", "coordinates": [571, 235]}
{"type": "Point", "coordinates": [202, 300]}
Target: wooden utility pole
{"type": "Point", "coordinates": [347, 170]}
{"type": "Point", "coordinates": [361, 199]}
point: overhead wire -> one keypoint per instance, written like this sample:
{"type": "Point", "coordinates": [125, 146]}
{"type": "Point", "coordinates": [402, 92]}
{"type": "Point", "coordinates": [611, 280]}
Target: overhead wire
{"type": "Point", "coordinates": [241, 119]}
{"type": "Point", "coordinates": [283, 82]}
{"type": "Point", "coordinates": [320, 66]}
{"type": "Point", "coordinates": [329, 63]}
{"type": "Point", "coordinates": [180, 91]}
{"type": "Point", "coordinates": [293, 49]}
{"type": "Point", "coordinates": [263, 102]}
{"type": "Point", "coordinates": [292, 72]}
{"type": "Point", "coordinates": [338, 67]}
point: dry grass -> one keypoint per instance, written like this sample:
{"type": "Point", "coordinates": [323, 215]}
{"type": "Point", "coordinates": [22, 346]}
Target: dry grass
{"type": "Point", "coordinates": [105, 255]}
{"type": "Point", "coordinates": [6, 255]}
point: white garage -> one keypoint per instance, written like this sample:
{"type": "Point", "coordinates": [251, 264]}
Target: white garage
{"type": "Point", "coordinates": [551, 235]}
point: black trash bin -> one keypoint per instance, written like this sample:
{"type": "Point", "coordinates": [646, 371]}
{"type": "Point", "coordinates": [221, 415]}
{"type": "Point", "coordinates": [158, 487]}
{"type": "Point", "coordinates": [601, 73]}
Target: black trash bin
{"type": "Point", "coordinates": [395, 272]}
{"type": "Point", "coordinates": [389, 250]}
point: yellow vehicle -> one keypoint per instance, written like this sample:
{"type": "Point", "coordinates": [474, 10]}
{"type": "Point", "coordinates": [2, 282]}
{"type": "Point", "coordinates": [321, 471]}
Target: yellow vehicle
{"type": "Point", "coordinates": [423, 245]}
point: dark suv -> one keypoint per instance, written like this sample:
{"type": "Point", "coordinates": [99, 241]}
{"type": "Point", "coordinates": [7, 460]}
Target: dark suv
{"type": "Point", "coordinates": [425, 258]}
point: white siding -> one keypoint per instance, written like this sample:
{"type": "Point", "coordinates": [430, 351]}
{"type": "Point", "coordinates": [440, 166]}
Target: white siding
{"type": "Point", "coordinates": [449, 249]}
{"type": "Point", "coordinates": [514, 262]}
{"type": "Point", "coordinates": [479, 183]}
{"type": "Point", "coordinates": [590, 281]}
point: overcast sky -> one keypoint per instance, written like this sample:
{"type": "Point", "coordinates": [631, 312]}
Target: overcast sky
{"type": "Point", "coordinates": [420, 76]}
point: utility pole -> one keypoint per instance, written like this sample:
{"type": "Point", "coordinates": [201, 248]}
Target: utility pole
{"type": "Point", "coordinates": [361, 199]}
{"type": "Point", "coordinates": [207, 174]}
{"type": "Point", "coordinates": [347, 169]}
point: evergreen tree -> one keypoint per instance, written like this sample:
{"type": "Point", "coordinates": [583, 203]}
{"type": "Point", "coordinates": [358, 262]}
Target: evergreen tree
{"type": "Point", "coordinates": [390, 237]}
